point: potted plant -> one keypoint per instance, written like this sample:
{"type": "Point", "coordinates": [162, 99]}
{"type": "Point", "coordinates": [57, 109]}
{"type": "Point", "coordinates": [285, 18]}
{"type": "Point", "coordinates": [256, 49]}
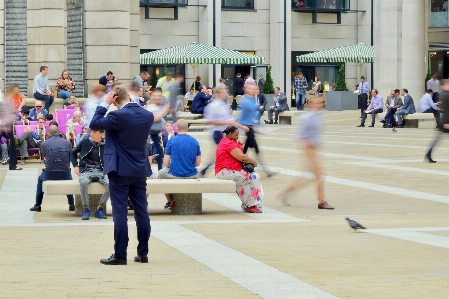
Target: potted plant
{"type": "Point", "coordinates": [268, 88]}
{"type": "Point", "coordinates": [341, 98]}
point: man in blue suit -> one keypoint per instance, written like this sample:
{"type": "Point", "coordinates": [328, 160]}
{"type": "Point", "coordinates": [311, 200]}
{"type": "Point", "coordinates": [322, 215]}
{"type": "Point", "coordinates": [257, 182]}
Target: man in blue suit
{"type": "Point", "coordinates": [126, 164]}
{"type": "Point", "coordinates": [407, 108]}
{"type": "Point", "coordinates": [200, 101]}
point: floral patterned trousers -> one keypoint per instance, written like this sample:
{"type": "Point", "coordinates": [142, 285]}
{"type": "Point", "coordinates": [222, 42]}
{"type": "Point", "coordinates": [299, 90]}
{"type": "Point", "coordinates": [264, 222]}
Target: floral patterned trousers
{"type": "Point", "coordinates": [249, 188]}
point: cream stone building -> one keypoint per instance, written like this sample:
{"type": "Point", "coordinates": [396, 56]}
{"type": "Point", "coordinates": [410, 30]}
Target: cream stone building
{"type": "Point", "coordinates": [91, 37]}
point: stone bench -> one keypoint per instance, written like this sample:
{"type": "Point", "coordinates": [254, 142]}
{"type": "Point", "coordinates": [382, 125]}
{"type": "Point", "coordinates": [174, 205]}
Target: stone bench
{"type": "Point", "coordinates": [415, 120]}
{"type": "Point", "coordinates": [186, 192]}
{"type": "Point", "coordinates": [285, 118]}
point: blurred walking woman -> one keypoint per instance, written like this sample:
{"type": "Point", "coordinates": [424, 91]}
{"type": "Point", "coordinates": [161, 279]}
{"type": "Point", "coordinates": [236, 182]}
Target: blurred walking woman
{"type": "Point", "coordinates": [229, 166]}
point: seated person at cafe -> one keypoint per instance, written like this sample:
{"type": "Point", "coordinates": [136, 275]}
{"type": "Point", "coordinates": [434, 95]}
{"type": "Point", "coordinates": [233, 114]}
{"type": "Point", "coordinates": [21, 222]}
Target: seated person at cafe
{"type": "Point", "coordinates": [30, 139]}
{"type": "Point", "coordinates": [37, 111]}
{"type": "Point", "coordinates": [200, 101]}
{"type": "Point", "coordinates": [17, 97]}
{"type": "Point", "coordinates": [181, 158]}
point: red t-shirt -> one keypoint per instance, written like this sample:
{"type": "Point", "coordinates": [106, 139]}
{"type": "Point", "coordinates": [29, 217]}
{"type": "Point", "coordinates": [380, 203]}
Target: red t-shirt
{"type": "Point", "coordinates": [224, 157]}
{"type": "Point", "coordinates": [17, 100]}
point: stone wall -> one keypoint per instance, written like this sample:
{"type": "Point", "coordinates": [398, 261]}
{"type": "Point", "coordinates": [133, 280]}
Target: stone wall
{"type": "Point", "coordinates": [15, 43]}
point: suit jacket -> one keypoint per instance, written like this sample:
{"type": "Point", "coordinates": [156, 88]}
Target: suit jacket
{"type": "Point", "coordinates": [397, 102]}
{"type": "Point", "coordinates": [262, 101]}
{"type": "Point", "coordinates": [444, 98]}
{"type": "Point", "coordinates": [238, 85]}
{"type": "Point", "coordinates": [104, 80]}
{"type": "Point", "coordinates": [282, 100]}
{"type": "Point", "coordinates": [261, 83]}
{"type": "Point", "coordinates": [199, 102]}
{"type": "Point", "coordinates": [409, 105]}
{"type": "Point", "coordinates": [127, 130]}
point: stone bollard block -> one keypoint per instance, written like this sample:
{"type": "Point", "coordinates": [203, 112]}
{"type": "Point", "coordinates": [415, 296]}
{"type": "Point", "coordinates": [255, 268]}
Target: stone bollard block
{"type": "Point", "coordinates": [187, 204]}
{"type": "Point", "coordinates": [285, 120]}
{"type": "Point", "coordinates": [94, 200]}
{"type": "Point", "coordinates": [411, 123]}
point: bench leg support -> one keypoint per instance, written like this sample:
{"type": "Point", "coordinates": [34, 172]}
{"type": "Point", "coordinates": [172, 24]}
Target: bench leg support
{"type": "Point", "coordinates": [285, 120]}
{"type": "Point", "coordinates": [411, 123]}
{"type": "Point", "coordinates": [94, 200]}
{"type": "Point", "coordinates": [187, 204]}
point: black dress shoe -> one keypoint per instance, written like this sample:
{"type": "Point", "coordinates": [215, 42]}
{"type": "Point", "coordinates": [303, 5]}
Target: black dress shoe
{"type": "Point", "coordinates": [382, 121]}
{"type": "Point", "coordinates": [360, 126]}
{"type": "Point", "coordinates": [113, 261]}
{"type": "Point", "coordinates": [71, 208]}
{"type": "Point", "coordinates": [429, 159]}
{"type": "Point", "coordinates": [269, 122]}
{"type": "Point", "coordinates": [372, 126]}
{"type": "Point", "coordinates": [35, 209]}
{"type": "Point", "coordinates": [141, 259]}
{"type": "Point", "coordinates": [275, 122]}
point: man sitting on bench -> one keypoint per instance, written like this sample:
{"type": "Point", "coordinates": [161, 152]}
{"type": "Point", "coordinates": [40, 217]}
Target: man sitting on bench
{"type": "Point", "coordinates": [56, 153]}
{"type": "Point", "coordinates": [181, 158]}
{"type": "Point", "coordinates": [426, 105]}
{"type": "Point", "coordinates": [90, 169]}
{"type": "Point", "coordinates": [280, 105]}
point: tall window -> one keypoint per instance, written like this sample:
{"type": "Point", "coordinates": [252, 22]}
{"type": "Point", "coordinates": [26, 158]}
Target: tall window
{"type": "Point", "coordinates": [438, 13]}
{"type": "Point", "coordinates": [237, 4]}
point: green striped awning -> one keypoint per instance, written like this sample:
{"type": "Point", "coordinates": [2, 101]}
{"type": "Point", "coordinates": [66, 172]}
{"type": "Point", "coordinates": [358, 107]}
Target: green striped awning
{"type": "Point", "coordinates": [360, 53]}
{"type": "Point", "coordinates": [198, 54]}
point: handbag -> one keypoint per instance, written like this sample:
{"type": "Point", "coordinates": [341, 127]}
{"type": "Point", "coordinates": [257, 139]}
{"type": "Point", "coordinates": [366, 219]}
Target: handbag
{"type": "Point", "coordinates": [248, 167]}
{"type": "Point", "coordinates": [312, 92]}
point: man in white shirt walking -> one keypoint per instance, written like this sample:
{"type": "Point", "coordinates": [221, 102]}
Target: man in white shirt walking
{"type": "Point", "coordinates": [434, 84]}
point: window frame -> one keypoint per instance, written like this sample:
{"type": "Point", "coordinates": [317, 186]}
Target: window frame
{"type": "Point", "coordinates": [227, 7]}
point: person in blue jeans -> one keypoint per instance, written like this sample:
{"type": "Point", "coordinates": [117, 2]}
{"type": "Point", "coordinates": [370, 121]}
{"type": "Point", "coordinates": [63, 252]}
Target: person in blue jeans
{"type": "Point", "coordinates": [56, 152]}
{"type": "Point", "coordinates": [300, 86]}
{"type": "Point", "coordinates": [65, 86]}
{"type": "Point", "coordinates": [182, 156]}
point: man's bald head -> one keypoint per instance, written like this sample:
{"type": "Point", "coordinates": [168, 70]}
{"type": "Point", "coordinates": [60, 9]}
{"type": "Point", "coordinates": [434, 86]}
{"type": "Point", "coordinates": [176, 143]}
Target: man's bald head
{"type": "Point", "coordinates": [53, 130]}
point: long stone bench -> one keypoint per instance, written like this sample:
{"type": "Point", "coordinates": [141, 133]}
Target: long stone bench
{"type": "Point", "coordinates": [415, 120]}
{"type": "Point", "coordinates": [186, 192]}
{"type": "Point", "coordinates": [285, 118]}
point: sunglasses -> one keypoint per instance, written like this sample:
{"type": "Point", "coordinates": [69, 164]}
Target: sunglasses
{"type": "Point", "coordinates": [38, 106]}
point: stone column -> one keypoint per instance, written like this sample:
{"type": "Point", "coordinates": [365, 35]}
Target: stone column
{"type": "Point", "coordinates": [400, 46]}
{"type": "Point", "coordinates": [107, 39]}
{"type": "Point", "coordinates": [134, 51]}
{"type": "Point", "coordinates": [205, 31]}
{"type": "Point", "coordinates": [47, 39]}
{"type": "Point", "coordinates": [413, 48]}
{"type": "Point", "coordinates": [363, 36]}
{"type": "Point", "coordinates": [277, 45]}
{"type": "Point", "coordinates": [2, 39]}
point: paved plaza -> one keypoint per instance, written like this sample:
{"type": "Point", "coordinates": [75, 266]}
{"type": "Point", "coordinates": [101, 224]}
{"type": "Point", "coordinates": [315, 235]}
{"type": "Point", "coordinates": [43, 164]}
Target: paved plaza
{"type": "Point", "coordinates": [373, 175]}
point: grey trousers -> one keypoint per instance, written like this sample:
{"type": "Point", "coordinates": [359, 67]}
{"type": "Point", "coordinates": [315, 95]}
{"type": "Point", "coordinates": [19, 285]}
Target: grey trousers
{"type": "Point", "coordinates": [276, 113]}
{"type": "Point", "coordinates": [4, 151]}
{"type": "Point", "coordinates": [88, 177]}
{"type": "Point", "coordinates": [26, 141]}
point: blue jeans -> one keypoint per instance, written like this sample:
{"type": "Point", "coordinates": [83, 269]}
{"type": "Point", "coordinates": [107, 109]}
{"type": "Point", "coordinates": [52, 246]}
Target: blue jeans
{"type": "Point", "coordinates": [48, 100]}
{"type": "Point", "coordinates": [399, 116]}
{"type": "Point", "coordinates": [64, 94]}
{"type": "Point", "coordinates": [300, 100]}
{"type": "Point", "coordinates": [51, 176]}
{"type": "Point", "coordinates": [157, 144]}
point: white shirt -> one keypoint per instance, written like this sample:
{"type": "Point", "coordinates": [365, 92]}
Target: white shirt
{"type": "Point", "coordinates": [434, 84]}
{"type": "Point", "coordinates": [392, 102]}
{"type": "Point", "coordinates": [218, 110]}
{"type": "Point", "coordinates": [188, 96]}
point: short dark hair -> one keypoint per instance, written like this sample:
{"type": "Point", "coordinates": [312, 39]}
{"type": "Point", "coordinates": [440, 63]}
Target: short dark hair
{"type": "Point", "coordinates": [109, 73]}
{"type": "Point", "coordinates": [397, 90]}
{"type": "Point", "coordinates": [405, 90]}
{"type": "Point", "coordinates": [122, 95]}
{"type": "Point", "coordinates": [362, 77]}
{"type": "Point", "coordinates": [278, 88]}
{"type": "Point", "coordinates": [42, 68]}
{"type": "Point", "coordinates": [429, 90]}
{"type": "Point", "coordinates": [433, 74]}
{"type": "Point", "coordinates": [144, 72]}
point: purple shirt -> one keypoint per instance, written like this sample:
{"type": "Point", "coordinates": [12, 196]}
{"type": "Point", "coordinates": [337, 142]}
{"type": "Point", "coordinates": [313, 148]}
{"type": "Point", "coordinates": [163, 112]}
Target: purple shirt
{"type": "Point", "coordinates": [376, 103]}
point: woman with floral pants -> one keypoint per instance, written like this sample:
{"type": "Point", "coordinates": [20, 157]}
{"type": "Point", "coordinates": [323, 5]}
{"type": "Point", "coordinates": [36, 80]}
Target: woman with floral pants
{"type": "Point", "coordinates": [228, 166]}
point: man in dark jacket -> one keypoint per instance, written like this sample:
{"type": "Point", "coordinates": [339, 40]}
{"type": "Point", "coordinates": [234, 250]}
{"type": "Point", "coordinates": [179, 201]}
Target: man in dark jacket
{"type": "Point", "coordinates": [56, 154]}
{"type": "Point", "coordinates": [238, 84]}
{"type": "Point", "coordinates": [200, 101]}
{"type": "Point", "coordinates": [90, 169]}
{"type": "Point", "coordinates": [444, 104]}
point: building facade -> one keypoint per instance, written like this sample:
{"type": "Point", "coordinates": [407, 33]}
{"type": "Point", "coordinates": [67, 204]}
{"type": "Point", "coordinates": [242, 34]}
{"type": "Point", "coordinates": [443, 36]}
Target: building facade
{"type": "Point", "coordinates": [91, 37]}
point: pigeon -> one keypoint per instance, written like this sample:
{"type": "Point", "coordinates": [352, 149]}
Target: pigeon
{"type": "Point", "coordinates": [354, 224]}
{"type": "Point", "coordinates": [394, 129]}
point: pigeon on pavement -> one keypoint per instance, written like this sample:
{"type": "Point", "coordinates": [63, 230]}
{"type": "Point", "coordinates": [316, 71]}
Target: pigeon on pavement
{"type": "Point", "coordinates": [394, 129]}
{"type": "Point", "coordinates": [354, 224]}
